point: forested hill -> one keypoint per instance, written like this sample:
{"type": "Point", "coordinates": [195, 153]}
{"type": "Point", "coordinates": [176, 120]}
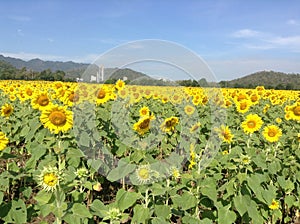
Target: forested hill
{"type": "Point", "coordinates": [269, 79]}
{"type": "Point", "coordinates": [39, 65]}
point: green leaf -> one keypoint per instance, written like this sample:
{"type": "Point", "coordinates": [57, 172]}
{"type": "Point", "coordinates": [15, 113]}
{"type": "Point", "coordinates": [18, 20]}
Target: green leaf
{"type": "Point", "coordinates": [17, 212]}
{"type": "Point", "coordinates": [289, 200]}
{"type": "Point", "coordinates": [123, 169]}
{"type": "Point", "coordinates": [140, 214]}
{"type": "Point", "coordinates": [126, 199]}
{"type": "Point", "coordinates": [210, 192]}
{"type": "Point", "coordinates": [98, 208]}
{"type": "Point", "coordinates": [81, 211]}
{"type": "Point", "coordinates": [158, 220]}
{"type": "Point", "coordinates": [162, 211]}
{"type": "Point", "coordinates": [43, 197]}
{"type": "Point", "coordinates": [187, 219]}
{"type": "Point", "coordinates": [158, 189]}
{"type": "Point", "coordinates": [254, 213]}
{"type": "Point", "coordinates": [84, 139]}
{"type": "Point", "coordinates": [241, 202]}
{"type": "Point", "coordinates": [185, 201]}
{"type": "Point", "coordinates": [1, 197]}
{"type": "Point", "coordinates": [225, 216]}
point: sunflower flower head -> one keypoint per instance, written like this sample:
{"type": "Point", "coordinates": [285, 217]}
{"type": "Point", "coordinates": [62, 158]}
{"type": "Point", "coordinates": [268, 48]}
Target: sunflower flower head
{"type": "Point", "coordinates": [57, 118]}
{"type": "Point", "coordinates": [143, 124]}
{"type": "Point", "coordinates": [6, 110]}
{"type": "Point", "coordinates": [252, 123]}
{"type": "Point", "coordinates": [144, 111]}
{"type": "Point", "coordinates": [245, 159]}
{"type": "Point", "coordinates": [144, 174]}
{"type": "Point", "coordinates": [189, 110]}
{"type": "Point", "coordinates": [3, 141]}
{"type": "Point", "coordinates": [225, 134]}
{"type": "Point", "coordinates": [272, 133]}
{"type": "Point", "coordinates": [169, 124]}
{"type": "Point", "coordinates": [120, 84]}
{"type": "Point", "coordinates": [49, 178]}
{"type": "Point", "coordinates": [274, 205]}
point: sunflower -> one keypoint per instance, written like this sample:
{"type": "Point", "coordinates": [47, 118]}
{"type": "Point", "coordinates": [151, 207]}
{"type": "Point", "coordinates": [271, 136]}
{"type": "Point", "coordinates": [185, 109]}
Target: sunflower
{"type": "Point", "coordinates": [57, 118]}
{"type": "Point", "coordinates": [40, 101]}
{"type": "Point", "coordinates": [143, 125]}
{"type": "Point", "coordinates": [144, 111]}
{"type": "Point", "coordinates": [104, 94]}
{"type": "Point", "coordinates": [169, 124]}
{"type": "Point", "coordinates": [144, 174]}
{"type": "Point", "coordinates": [274, 205]}
{"type": "Point", "coordinates": [175, 172]}
{"type": "Point", "coordinates": [49, 178]}
{"type": "Point", "coordinates": [120, 85]}
{"type": "Point", "coordinates": [243, 106]}
{"type": "Point", "coordinates": [294, 111]}
{"type": "Point", "coordinates": [225, 134]}
{"type": "Point", "coordinates": [252, 123]}
{"type": "Point", "coordinates": [3, 141]}
{"type": "Point", "coordinates": [189, 110]}
{"type": "Point", "coordinates": [6, 110]}
{"type": "Point", "coordinates": [195, 127]}
{"type": "Point", "coordinates": [245, 159]}
{"type": "Point", "coordinates": [272, 133]}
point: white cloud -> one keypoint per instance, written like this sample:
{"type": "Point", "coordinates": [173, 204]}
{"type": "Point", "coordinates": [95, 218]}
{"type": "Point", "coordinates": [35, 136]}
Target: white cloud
{"type": "Point", "coordinates": [246, 33]}
{"type": "Point", "coordinates": [265, 41]}
{"type": "Point", "coordinates": [287, 41]}
{"type": "Point", "coordinates": [292, 22]}
{"type": "Point", "coordinates": [29, 56]}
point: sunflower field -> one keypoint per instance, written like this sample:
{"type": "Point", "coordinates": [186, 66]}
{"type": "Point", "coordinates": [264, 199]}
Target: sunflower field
{"type": "Point", "coordinates": [96, 153]}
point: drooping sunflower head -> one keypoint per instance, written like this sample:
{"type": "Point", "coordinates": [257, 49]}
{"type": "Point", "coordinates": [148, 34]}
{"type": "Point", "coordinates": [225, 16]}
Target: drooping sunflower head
{"type": "Point", "coordinates": [49, 178]}
{"type": "Point", "coordinates": [57, 119]}
{"type": "Point", "coordinates": [143, 124]}
{"type": "Point", "coordinates": [225, 134]}
{"type": "Point", "coordinates": [195, 127]}
{"type": "Point", "coordinates": [252, 123]}
{"type": "Point", "coordinates": [3, 141]}
{"type": "Point", "coordinates": [7, 110]}
{"type": "Point", "coordinates": [272, 133]}
{"type": "Point", "coordinates": [169, 124]}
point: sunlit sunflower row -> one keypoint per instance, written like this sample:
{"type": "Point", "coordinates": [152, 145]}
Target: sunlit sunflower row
{"type": "Point", "coordinates": [56, 99]}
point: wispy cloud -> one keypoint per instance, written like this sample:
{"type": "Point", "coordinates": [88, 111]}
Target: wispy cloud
{"type": "Point", "coordinates": [253, 39]}
{"type": "Point", "coordinates": [20, 32]}
{"type": "Point", "coordinates": [246, 33]}
{"type": "Point", "coordinates": [20, 18]}
{"type": "Point", "coordinates": [292, 22]}
{"type": "Point", "coordinates": [28, 56]}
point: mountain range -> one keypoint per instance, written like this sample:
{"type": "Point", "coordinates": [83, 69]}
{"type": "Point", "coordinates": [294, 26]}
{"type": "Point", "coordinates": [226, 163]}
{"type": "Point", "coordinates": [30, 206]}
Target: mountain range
{"type": "Point", "coordinates": [269, 79]}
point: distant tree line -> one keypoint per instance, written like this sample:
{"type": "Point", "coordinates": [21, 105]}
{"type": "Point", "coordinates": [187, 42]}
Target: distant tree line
{"type": "Point", "coordinates": [268, 79]}
{"type": "Point", "coordinates": [7, 71]}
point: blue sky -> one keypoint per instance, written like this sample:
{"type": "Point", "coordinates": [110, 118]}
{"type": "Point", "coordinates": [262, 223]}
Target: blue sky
{"type": "Point", "coordinates": [234, 38]}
